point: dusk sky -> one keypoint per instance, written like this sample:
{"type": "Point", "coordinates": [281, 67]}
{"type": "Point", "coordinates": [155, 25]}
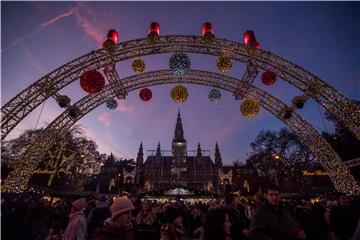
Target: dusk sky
{"type": "Point", "coordinates": [38, 37]}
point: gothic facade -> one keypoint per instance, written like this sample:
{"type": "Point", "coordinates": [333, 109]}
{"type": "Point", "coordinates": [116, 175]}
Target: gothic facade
{"type": "Point", "coordinates": [183, 168]}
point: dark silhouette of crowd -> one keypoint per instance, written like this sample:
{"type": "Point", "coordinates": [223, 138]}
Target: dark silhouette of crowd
{"type": "Point", "coordinates": [265, 216]}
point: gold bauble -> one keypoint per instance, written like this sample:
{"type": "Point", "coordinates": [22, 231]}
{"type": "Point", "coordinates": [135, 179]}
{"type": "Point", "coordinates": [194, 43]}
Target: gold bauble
{"type": "Point", "coordinates": [179, 94]}
{"type": "Point", "coordinates": [224, 63]}
{"type": "Point", "coordinates": [250, 107]}
{"type": "Point", "coordinates": [138, 65]}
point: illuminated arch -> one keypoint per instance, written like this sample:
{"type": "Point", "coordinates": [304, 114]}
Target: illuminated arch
{"type": "Point", "coordinates": [336, 169]}
{"type": "Point", "coordinates": [332, 100]}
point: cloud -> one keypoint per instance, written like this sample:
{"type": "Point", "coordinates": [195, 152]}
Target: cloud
{"type": "Point", "coordinates": [86, 19]}
{"type": "Point", "coordinates": [41, 27]}
{"type": "Point", "coordinates": [124, 109]}
{"type": "Point", "coordinates": [104, 118]}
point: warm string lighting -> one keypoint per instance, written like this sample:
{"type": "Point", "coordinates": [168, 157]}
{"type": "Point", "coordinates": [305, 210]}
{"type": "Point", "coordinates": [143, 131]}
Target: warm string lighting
{"type": "Point", "coordinates": [224, 63]}
{"type": "Point", "coordinates": [18, 179]}
{"type": "Point", "coordinates": [250, 107]}
{"type": "Point", "coordinates": [138, 66]}
{"type": "Point", "coordinates": [179, 94]}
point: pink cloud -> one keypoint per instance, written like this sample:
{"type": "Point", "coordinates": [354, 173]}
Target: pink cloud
{"type": "Point", "coordinates": [124, 109]}
{"type": "Point", "coordinates": [104, 118]}
{"type": "Point", "coordinates": [86, 19]}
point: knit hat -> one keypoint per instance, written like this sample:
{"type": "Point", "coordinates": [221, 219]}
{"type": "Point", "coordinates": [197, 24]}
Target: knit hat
{"type": "Point", "coordinates": [172, 213]}
{"type": "Point", "coordinates": [79, 204]}
{"type": "Point", "coordinates": [121, 205]}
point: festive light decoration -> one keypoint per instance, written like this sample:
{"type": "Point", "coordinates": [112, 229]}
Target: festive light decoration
{"type": "Point", "coordinates": [179, 63]}
{"type": "Point", "coordinates": [92, 81]}
{"type": "Point", "coordinates": [145, 94]}
{"type": "Point", "coordinates": [111, 39]}
{"type": "Point", "coordinates": [154, 32]}
{"type": "Point", "coordinates": [208, 32]}
{"type": "Point", "coordinates": [268, 78]}
{"type": "Point", "coordinates": [250, 39]}
{"type": "Point", "coordinates": [214, 95]}
{"type": "Point", "coordinates": [138, 65]}
{"type": "Point", "coordinates": [74, 111]}
{"type": "Point", "coordinates": [109, 45]}
{"type": "Point", "coordinates": [63, 101]}
{"type": "Point", "coordinates": [111, 103]}
{"type": "Point", "coordinates": [113, 35]}
{"type": "Point", "coordinates": [287, 113]}
{"type": "Point", "coordinates": [179, 94]}
{"type": "Point", "coordinates": [250, 107]}
{"type": "Point", "coordinates": [224, 63]}
{"type": "Point", "coordinates": [298, 101]}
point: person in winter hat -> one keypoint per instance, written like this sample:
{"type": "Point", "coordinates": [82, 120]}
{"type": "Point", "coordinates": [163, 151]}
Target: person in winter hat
{"type": "Point", "coordinates": [77, 227]}
{"type": "Point", "coordinates": [118, 226]}
{"type": "Point", "coordinates": [174, 229]}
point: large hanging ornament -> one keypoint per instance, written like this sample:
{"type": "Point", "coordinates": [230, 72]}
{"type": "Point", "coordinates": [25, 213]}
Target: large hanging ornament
{"type": "Point", "coordinates": [208, 32]}
{"type": "Point", "coordinates": [299, 101]}
{"type": "Point", "coordinates": [268, 78]}
{"type": "Point", "coordinates": [154, 32]}
{"type": "Point", "coordinates": [214, 95]}
{"type": "Point", "coordinates": [250, 107]}
{"type": "Point", "coordinates": [92, 81]}
{"type": "Point", "coordinates": [138, 65]}
{"type": "Point", "coordinates": [179, 94]}
{"type": "Point", "coordinates": [179, 63]}
{"type": "Point", "coordinates": [224, 63]}
{"type": "Point", "coordinates": [63, 101]}
{"type": "Point", "coordinates": [111, 103]}
{"type": "Point", "coordinates": [145, 94]}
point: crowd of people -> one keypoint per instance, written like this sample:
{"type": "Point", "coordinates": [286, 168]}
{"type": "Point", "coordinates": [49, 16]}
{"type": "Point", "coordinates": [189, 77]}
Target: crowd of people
{"type": "Point", "coordinates": [266, 217]}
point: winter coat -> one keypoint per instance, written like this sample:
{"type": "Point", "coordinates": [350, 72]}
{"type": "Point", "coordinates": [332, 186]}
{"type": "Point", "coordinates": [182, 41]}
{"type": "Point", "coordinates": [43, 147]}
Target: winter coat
{"type": "Point", "coordinates": [77, 227]}
{"type": "Point", "coordinates": [269, 223]}
{"type": "Point", "coordinates": [109, 232]}
{"type": "Point", "coordinates": [343, 221]}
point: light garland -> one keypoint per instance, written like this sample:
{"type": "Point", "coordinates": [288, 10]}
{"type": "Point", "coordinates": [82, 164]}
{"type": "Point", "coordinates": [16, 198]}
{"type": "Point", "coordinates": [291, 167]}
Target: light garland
{"type": "Point", "coordinates": [179, 94]}
{"type": "Point", "coordinates": [111, 104]}
{"type": "Point", "coordinates": [138, 65]}
{"type": "Point", "coordinates": [224, 63]}
{"type": "Point", "coordinates": [214, 95]}
{"type": "Point", "coordinates": [179, 63]}
{"type": "Point", "coordinates": [250, 107]}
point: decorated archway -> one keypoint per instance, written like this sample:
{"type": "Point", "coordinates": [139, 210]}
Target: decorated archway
{"type": "Point", "coordinates": [255, 59]}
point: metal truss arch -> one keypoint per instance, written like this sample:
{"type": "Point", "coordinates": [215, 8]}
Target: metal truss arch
{"type": "Point", "coordinates": [332, 163]}
{"type": "Point", "coordinates": [332, 100]}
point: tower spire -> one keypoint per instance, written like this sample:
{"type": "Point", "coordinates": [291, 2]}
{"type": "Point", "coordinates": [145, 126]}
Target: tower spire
{"type": "Point", "coordinates": [139, 162]}
{"type": "Point", "coordinates": [199, 152]}
{"type": "Point", "coordinates": [158, 151]}
{"type": "Point", "coordinates": [179, 132]}
{"type": "Point", "coordinates": [218, 160]}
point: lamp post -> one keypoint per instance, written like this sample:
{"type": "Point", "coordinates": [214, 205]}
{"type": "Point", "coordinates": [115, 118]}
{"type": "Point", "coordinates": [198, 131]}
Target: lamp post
{"type": "Point", "coordinates": [275, 160]}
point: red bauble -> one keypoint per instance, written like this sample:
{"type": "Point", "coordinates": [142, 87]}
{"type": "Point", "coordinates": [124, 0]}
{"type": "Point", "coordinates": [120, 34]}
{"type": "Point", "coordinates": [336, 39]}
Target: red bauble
{"type": "Point", "coordinates": [268, 78]}
{"type": "Point", "coordinates": [92, 81]}
{"type": "Point", "coordinates": [145, 94]}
